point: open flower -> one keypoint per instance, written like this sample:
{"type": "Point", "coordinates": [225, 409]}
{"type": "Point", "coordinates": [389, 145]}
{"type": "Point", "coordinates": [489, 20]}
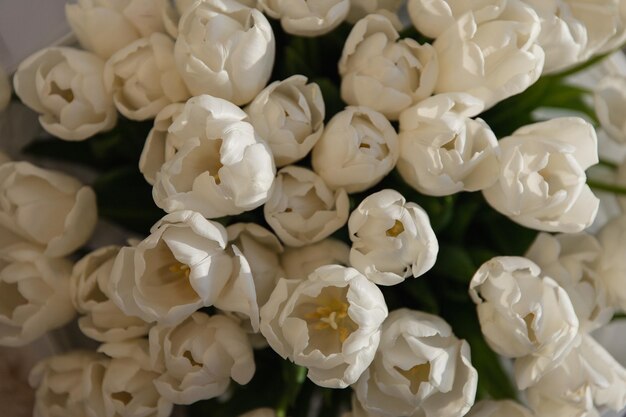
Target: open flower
{"type": "Point", "coordinates": [65, 86]}
{"type": "Point", "coordinates": [106, 26]}
{"type": "Point", "coordinates": [222, 167]}
{"type": "Point", "coordinates": [391, 239]}
{"type": "Point", "coordinates": [101, 319]}
{"type": "Point", "coordinates": [420, 368]}
{"type": "Point", "coordinates": [225, 49]}
{"type": "Point", "coordinates": [198, 357]}
{"type": "Point", "coordinates": [143, 77]}
{"type": "Point", "coordinates": [329, 323]}
{"type": "Point", "coordinates": [542, 181]}
{"type": "Point", "coordinates": [380, 71]}
{"type": "Point", "coordinates": [181, 267]}
{"type": "Point", "coordinates": [358, 148]}
{"type": "Point", "coordinates": [589, 378]}
{"type": "Point", "coordinates": [35, 295]}
{"type": "Point", "coordinates": [45, 208]}
{"type": "Point", "coordinates": [302, 209]}
{"type": "Point", "coordinates": [161, 145]}
{"type": "Point", "coordinates": [524, 315]}
{"type": "Point", "coordinates": [491, 408]}
{"type": "Point", "coordinates": [443, 150]}
{"type": "Point", "coordinates": [298, 263]}
{"type": "Point", "coordinates": [491, 55]}
{"type": "Point", "coordinates": [59, 383]}
{"type": "Point", "coordinates": [307, 17]}
{"type": "Point", "coordinates": [571, 259]}
{"type": "Point", "coordinates": [289, 116]}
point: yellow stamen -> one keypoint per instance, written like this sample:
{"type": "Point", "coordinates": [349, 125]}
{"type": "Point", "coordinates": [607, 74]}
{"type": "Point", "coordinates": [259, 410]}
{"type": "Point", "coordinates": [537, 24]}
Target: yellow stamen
{"type": "Point", "coordinates": [330, 317]}
{"type": "Point", "coordinates": [396, 229]}
{"type": "Point", "coordinates": [365, 146]}
{"type": "Point", "coordinates": [416, 375]}
{"type": "Point", "coordinates": [180, 268]}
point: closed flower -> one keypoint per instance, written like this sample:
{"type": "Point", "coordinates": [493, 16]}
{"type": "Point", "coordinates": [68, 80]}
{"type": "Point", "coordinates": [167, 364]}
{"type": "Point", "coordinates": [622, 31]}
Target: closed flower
{"type": "Point", "coordinates": [101, 319]}
{"type": "Point", "coordinates": [380, 71]}
{"type": "Point", "coordinates": [329, 323]}
{"type": "Point", "coordinates": [391, 239]}
{"type": "Point", "coordinates": [542, 181]}
{"type": "Point", "coordinates": [181, 267]}
{"type": "Point", "coordinates": [307, 18]}
{"type": "Point", "coordinates": [36, 295]}
{"type": "Point", "coordinates": [143, 77]}
{"type": "Point", "coordinates": [420, 369]}
{"type": "Point", "coordinates": [444, 151]}
{"type": "Point", "coordinates": [289, 116]}
{"type": "Point", "coordinates": [491, 408]}
{"type": "Point", "coordinates": [358, 148]}
{"type": "Point", "coordinates": [45, 208]}
{"type": "Point", "coordinates": [298, 263]}
{"type": "Point", "coordinates": [491, 55]}
{"type": "Point", "coordinates": [198, 357]}
{"type": "Point", "coordinates": [611, 265]}
{"type": "Point", "coordinates": [610, 106]}
{"type": "Point", "coordinates": [237, 169]}
{"type": "Point", "coordinates": [302, 209]}
{"type": "Point", "coordinates": [65, 86]}
{"type": "Point", "coordinates": [225, 49]}
{"type": "Point", "coordinates": [570, 259]}
{"type": "Point", "coordinates": [524, 315]}
{"type": "Point", "coordinates": [604, 21]}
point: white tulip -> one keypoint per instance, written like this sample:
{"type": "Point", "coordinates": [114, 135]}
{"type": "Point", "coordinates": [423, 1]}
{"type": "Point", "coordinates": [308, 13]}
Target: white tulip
{"type": "Point", "coordinates": [65, 86]}
{"type": "Point", "coordinates": [588, 378]}
{"type": "Point", "coordinates": [101, 319]}
{"type": "Point", "coordinates": [524, 315]}
{"type": "Point", "coordinates": [236, 170]}
{"type": "Point", "coordinates": [258, 251]}
{"type": "Point", "coordinates": [46, 208]}
{"type": "Point", "coordinates": [361, 8]}
{"type": "Point", "coordinates": [610, 106]}
{"type": "Point", "coordinates": [36, 295]}
{"type": "Point", "coordinates": [542, 181]}
{"type": "Point", "coordinates": [171, 13]}
{"type": "Point", "coordinates": [298, 263]}
{"type": "Point", "coordinates": [491, 408]}
{"type": "Point", "coordinates": [329, 323]}
{"type": "Point", "coordinates": [604, 21]}
{"type": "Point", "coordinates": [444, 151]}
{"type": "Point", "coordinates": [225, 49]}
{"type": "Point", "coordinates": [125, 385]}
{"type": "Point", "coordinates": [59, 382]}
{"type": "Point", "coordinates": [143, 79]}
{"type": "Point", "coordinates": [5, 90]}
{"type": "Point", "coordinates": [570, 260]}
{"type": "Point", "coordinates": [181, 267]}
{"type": "Point", "coordinates": [106, 26]}
{"type": "Point", "coordinates": [491, 55]}
{"type": "Point", "coordinates": [563, 37]}
{"type": "Point", "coordinates": [380, 71]}
{"type": "Point", "coordinates": [198, 357]}
{"type": "Point", "coordinates": [260, 412]}
{"type": "Point", "coordinates": [433, 17]}
{"type": "Point", "coordinates": [420, 369]}
{"type": "Point", "coordinates": [307, 17]}
{"type": "Point", "coordinates": [611, 266]}
{"type": "Point", "coordinates": [391, 239]}
{"type": "Point", "coordinates": [161, 145]}
{"type": "Point", "coordinates": [289, 116]}
{"type": "Point", "coordinates": [358, 148]}
{"type": "Point", "coordinates": [302, 209]}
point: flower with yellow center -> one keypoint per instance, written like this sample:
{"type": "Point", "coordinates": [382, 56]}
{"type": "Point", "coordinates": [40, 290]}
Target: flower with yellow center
{"type": "Point", "coordinates": [320, 323]}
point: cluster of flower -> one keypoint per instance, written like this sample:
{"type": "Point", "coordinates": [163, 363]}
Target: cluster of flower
{"type": "Point", "coordinates": [190, 66]}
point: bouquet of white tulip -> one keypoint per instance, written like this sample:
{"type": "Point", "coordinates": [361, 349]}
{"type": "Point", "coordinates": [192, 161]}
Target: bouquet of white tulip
{"type": "Point", "coordinates": [329, 208]}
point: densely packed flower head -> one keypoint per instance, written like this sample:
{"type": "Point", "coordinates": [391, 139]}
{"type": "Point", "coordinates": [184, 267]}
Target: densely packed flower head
{"type": "Point", "coordinates": [351, 205]}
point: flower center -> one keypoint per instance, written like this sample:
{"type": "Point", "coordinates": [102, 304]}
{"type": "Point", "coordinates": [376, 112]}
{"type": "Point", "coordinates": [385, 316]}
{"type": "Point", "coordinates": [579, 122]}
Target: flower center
{"type": "Point", "coordinates": [396, 229]}
{"type": "Point", "coordinates": [180, 269]}
{"type": "Point", "coordinates": [416, 375]}
{"type": "Point", "coordinates": [333, 316]}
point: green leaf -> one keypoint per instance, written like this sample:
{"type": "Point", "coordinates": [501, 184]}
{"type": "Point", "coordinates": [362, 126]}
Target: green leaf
{"type": "Point", "coordinates": [332, 98]}
{"type": "Point", "coordinates": [125, 197]}
{"type": "Point", "coordinates": [454, 262]}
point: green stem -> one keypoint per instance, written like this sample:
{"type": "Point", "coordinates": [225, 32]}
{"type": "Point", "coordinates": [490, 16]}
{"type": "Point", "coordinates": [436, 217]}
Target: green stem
{"type": "Point", "coordinates": [608, 164]}
{"type": "Point", "coordinates": [602, 186]}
